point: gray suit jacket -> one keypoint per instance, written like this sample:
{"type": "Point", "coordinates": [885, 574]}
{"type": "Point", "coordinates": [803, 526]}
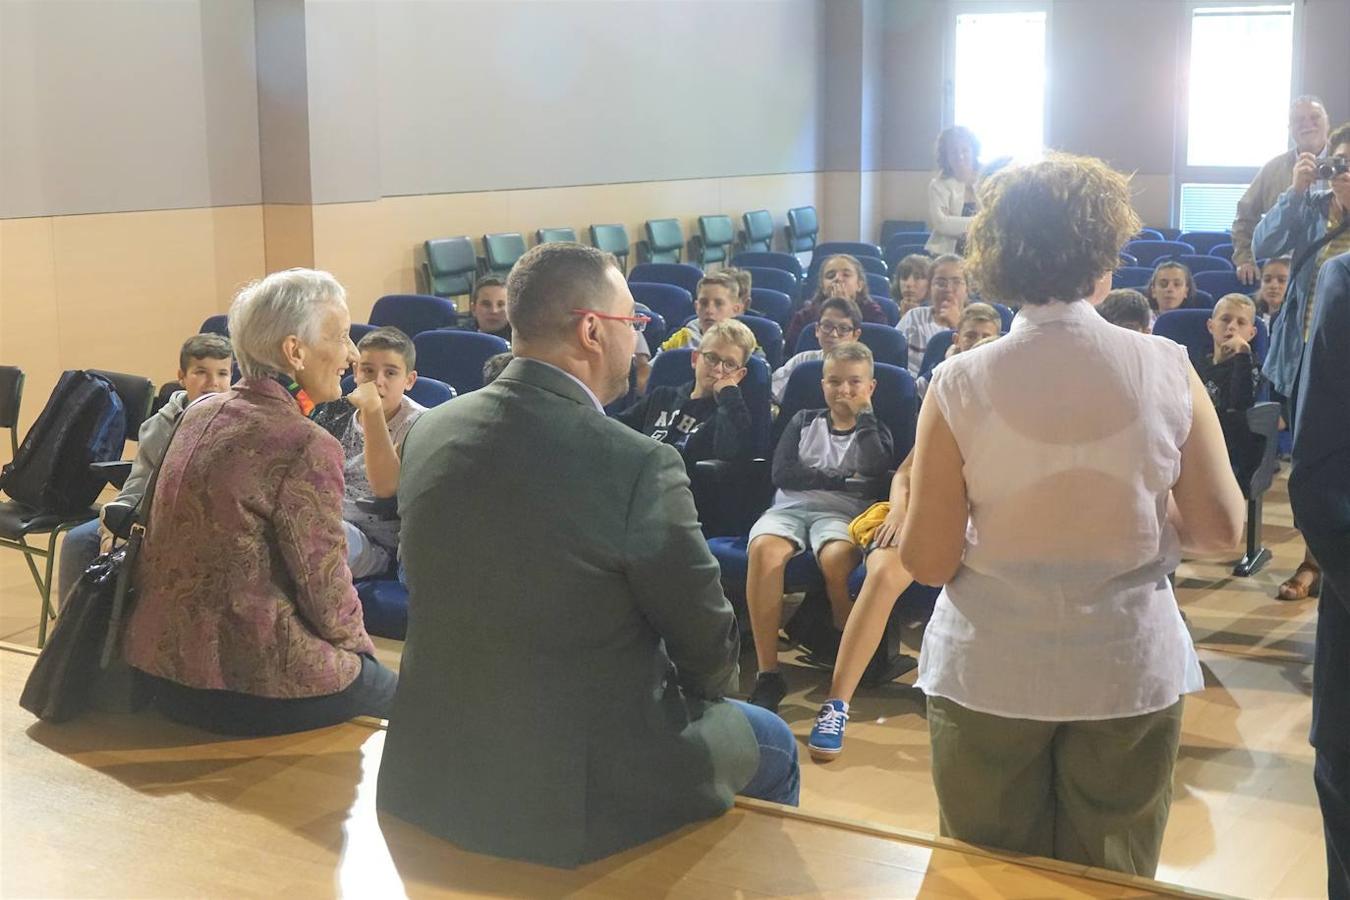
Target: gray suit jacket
{"type": "Point", "coordinates": [568, 639]}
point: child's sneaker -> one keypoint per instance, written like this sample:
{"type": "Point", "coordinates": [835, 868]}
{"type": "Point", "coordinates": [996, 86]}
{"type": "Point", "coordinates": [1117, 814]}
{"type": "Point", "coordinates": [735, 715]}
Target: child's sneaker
{"type": "Point", "coordinates": [770, 689]}
{"type": "Point", "coordinates": [827, 735]}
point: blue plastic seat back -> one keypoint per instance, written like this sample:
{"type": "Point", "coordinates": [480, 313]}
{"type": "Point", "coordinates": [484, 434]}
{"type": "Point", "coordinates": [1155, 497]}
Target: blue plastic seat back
{"type": "Point", "coordinates": [1006, 314]}
{"type": "Point", "coordinates": [1198, 263]}
{"type": "Point", "coordinates": [413, 313]}
{"type": "Point", "coordinates": [1205, 241]}
{"type": "Point", "coordinates": [501, 250]}
{"type": "Point", "coordinates": [1149, 252]}
{"type": "Point", "coordinates": [802, 228]}
{"type": "Point", "coordinates": [216, 325]}
{"type": "Point", "coordinates": [1136, 277]}
{"type": "Point", "coordinates": [878, 285]}
{"type": "Point", "coordinates": [611, 239]}
{"type": "Point", "coordinates": [1149, 234]}
{"type": "Point", "coordinates": [936, 352]}
{"type": "Point", "coordinates": [1223, 251]}
{"type": "Point", "coordinates": [1128, 260]}
{"type": "Point", "coordinates": [716, 234]}
{"type": "Point", "coordinates": [891, 227]}
{"type": "Point", "coordinates": [450, 266]}
{"type": "Point", "coordinates": [771, 304]}
{"type": "Point", "coordinates": [773, 279]}
{"type": "Point", "coordinates": [896, 252]}
{"type": "Point", "coordinates": [679, 274]}
{"type": "Point", "coordinates": [674, 303]}
{"type": "Point", "coordinates": [769, 336]}
{"type": "Point", "coordinates": [360, 330]}
{"type": "Point", "coordinates": [1202, 299]}
{"type": "Point", "coordinates": [665, 240]}
{"type": "Point", "coordinates": [758, 233]}
{"type": "Point", "coordinates": [1189, 328]}
{"type": "Point", "coordinates": [875, 265]}
{"type": "Point", "coordinates": [852, 248]}
{"type": "Point", "coordinates": [673, 368]}
{"type": "Point", "coordinates": [895, 401]}
{"type": "Point", "coordinates": [1222, 282]}
{"type": "Point", "coordinates": [456, 357]}
{"type": "Point", "coordinates": [750, 259]}
{"type": "Point", "coordinates": [902, 239]}
{"type": "Point", "coordinates": [888, 306]}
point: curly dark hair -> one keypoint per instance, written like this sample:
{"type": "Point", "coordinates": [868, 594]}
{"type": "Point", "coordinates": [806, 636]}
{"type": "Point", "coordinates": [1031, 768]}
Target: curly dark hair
{"type": "Point", "coordinates": [1047, 231]}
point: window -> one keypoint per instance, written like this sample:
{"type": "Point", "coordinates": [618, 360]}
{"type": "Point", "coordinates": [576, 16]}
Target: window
{"type": "Point", "coordinates": [1241, 58]}
{"type": "Point", "coordinates": [1209, 207]}
{"type": "Point", "coordinates": [999, 76]}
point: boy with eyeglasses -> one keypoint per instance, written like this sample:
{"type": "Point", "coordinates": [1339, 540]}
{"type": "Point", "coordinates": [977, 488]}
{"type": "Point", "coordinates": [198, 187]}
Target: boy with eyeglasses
{"type": "Point", "coordinates": [840, 322]}
{"type": "Point", "coordinates": [947, 300]}
{"type": "Point", "coordinates": [706, 418]}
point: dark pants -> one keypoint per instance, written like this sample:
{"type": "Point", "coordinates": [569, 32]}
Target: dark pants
{"type": "Point", "coordinates": [1331, 774]}
{"type": "Point", "coordinates": [227, 712]}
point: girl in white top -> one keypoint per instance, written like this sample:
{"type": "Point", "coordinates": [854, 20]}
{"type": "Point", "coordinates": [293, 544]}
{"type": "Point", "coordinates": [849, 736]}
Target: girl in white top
{"type": "Point", "coordinates": [1058, 474]}
{"type": "Point", "coordinates": [951, 196]}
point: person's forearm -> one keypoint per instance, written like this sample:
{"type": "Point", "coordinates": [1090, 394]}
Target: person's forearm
{"type": "Point", "coordinates": [875, 449]}
{"type": "Point", "coordinates": [382, 464]}
{"type": "Point", "coordinates": [900, 483]}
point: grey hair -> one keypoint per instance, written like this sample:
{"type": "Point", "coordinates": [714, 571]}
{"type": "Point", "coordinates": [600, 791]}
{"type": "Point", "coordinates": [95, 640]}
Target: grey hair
{"type": "Point", "coordinates": [1307, 100]}
{"type": "Point", "coordinates": [266, 312]}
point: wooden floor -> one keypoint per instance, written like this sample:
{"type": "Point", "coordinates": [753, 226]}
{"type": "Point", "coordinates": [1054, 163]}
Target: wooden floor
{"type": "Point", "coordinates": [1244, 819]}
{"type": "Point", "coordinates": [135, 806]}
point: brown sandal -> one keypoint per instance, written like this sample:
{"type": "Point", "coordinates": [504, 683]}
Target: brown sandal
{"type": "Point", "coordinates": [1296, 588]}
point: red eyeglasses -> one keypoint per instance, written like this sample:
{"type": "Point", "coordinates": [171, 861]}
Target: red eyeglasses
{"type": "Point", "coordinates": [638, 322]}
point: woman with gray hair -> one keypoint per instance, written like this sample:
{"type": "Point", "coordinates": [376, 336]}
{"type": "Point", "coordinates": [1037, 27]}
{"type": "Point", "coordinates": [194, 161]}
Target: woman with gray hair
{"type": "Point", "coordinates": [246, 618]}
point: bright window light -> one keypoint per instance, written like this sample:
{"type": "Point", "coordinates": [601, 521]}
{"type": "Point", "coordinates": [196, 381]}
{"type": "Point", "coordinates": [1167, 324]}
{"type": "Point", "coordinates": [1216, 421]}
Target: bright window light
{"type": "Point", "coordinates": [1241, 58]}
{"type": "Point", "coordinates": [1000, 82]}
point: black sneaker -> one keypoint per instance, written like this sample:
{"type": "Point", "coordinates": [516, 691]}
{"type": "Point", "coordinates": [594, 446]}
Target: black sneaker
{"type": "Point", "coordinates": [770, 689]}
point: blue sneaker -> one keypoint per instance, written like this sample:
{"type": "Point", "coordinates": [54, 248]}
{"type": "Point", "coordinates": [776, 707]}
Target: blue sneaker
{"type": "Point", "coordinates": [827, 735]}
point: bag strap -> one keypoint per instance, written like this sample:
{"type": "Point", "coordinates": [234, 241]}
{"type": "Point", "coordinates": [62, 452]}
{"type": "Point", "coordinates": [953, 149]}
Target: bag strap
{"type": "Point", "coordinates": [132, 551]}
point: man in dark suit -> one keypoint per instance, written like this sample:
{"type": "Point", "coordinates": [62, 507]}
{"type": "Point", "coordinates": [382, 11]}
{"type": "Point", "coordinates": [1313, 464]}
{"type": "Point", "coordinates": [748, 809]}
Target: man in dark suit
{"type": "Point", "coordinates": [1319, 491]}
{"type": "Point", "coordinates": [569, 645]}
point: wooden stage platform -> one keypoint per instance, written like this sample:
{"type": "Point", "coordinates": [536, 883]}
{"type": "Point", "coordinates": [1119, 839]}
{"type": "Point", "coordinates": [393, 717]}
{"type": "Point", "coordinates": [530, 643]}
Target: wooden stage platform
{"type": "Point", "coordinates": [136, 806]}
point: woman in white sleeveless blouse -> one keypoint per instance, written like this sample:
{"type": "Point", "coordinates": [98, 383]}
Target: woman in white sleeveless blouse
{"type": "Point", "coordinates": [1059, 473]}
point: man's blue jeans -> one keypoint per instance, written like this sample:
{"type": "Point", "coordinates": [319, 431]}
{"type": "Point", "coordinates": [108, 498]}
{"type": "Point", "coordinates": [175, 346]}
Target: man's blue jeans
{"type": "Point", "coordinates": [778, 777]}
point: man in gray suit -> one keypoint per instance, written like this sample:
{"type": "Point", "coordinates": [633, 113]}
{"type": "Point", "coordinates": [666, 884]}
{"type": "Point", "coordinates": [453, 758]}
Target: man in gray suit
{"type": "Point", "coordinates": [569, 647]}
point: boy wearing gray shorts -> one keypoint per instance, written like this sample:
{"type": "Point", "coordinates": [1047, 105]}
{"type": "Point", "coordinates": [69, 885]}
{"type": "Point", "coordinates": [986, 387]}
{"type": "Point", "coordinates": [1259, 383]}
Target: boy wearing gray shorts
{"type": "Point", "coordinates": [819, 450]}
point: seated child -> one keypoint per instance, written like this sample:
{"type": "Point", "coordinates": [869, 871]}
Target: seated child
{"type": "Point", "coordinates": [1171, 287]}
{"type": "Point", "coordinates": [909, 285]}
{"type": "Point", "coordinates": [204, 363]}
{"type": "Point", "coordinates": [706, 418]}
{"type": "Point", "coordinates": [1231, 376]}
{"type": "Point", "coordinates": [1274, 281]}
{"type": "Point", "coordinates": [719, 299]}
{"type": "Point", "coordinates": [878, 532]}
{"type": "Point", "coordinates": [1127, 308]}
{"type": "Point", "coordinates": [818, 451]}
{"type": "Point", "coordinates": [978, 324]}
{"type": "Point", "coordinates": [487, 308]}
{"type": "Point", "coordinates": [495, 366]}
{"type": "Point", "coordinates": [840, 322]}
{"type": "Point", "coordinates": [841, 275]}
{"type": "Point", "coordinates": [947, 294]}
{"type": "Point", "coordinates": [371, 437]}
{"type": "Point", "coordinates": [744, 282]}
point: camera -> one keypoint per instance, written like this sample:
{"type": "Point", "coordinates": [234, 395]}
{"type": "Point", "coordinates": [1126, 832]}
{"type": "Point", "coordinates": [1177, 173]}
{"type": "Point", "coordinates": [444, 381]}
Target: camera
{"type": "Point", "coordinates": [1331, 167]}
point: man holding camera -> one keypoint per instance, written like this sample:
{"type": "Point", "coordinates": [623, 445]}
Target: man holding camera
{"type": "Point", "coordinates": [1308, 128]}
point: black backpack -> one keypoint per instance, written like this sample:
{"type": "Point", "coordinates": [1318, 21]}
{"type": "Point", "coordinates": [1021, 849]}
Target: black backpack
{"type": "Point", "coordinates": [82, 423]}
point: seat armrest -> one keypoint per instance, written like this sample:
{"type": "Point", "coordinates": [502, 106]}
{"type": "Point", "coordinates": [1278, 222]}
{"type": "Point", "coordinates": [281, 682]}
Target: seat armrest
{"type": "Point", "coordinates": [870, 487]}
{"type": "Point", "coordinates": [730, 496]}
{"type": "Point", "coordinates": [114, 472]}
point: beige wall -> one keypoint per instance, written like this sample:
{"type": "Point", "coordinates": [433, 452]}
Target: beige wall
{"type": "Point", "coordinates": [117, 291]}
{"type": "Point", "coordinates": [373, 247]}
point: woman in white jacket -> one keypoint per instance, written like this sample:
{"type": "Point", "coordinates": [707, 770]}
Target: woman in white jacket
{"type": "Point", "coordinates": [951, 196]}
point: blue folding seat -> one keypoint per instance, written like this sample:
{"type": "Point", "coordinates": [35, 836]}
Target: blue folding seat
{"type": "Point", "coordinates": [413, 313]}
{"type": "Point", "coordinates": [773, 279]}
{"type": "Point", "coordinates": [896, 252]}
{"type": "Point", "coordinates": [1149, 252]}
{"type": "Point", "coordinates": [1149, 234]}
{"type": "Point", "coordinates": [1168, 234]}
{"type": "Point", "coordinates": [216, 325]}
{"type": "Point", "coordinates": [888, 306]}
{"type": "Point", "coordinates": [679, 274]}
{"type": "Point", "coordinates": [715, 236]}
{"type": "Point", "coordinates": [878, 285]}
{"type": "Point", "coordinates": [771, 304]}
{"type": "Point", "coordinates": [1128, 260]}
{"type": "Point", "coordinates": [891, 227]}
{"type": "Point", "coordinates": [612, 239]}
{"type": "Point", "coordinates": [359, 330]}
{"type": "Point", "coordinates": [1223, 251]}
{"type": "Point", "coordinates": [674, 303]}
{"type": "Point", "coordinates": [1205, 241]}
{"type": "Point", "coordinates": [764, 260]}
{"type": "Point", "coordinates": [769, 336]}
{"type": "Point", "coordinates": [936, 352]}
{"type": "Point", "coordinates": [449, 267]}
{"type": "Point", "coordinates": [664, 243]}
{"type": "Point", "coordinates": [1202, 299]}
{"type": "Point", "coordinates": [893, 246]}
{"type": "Point", "coordinates": [887, 345]}
{"type": "Point", "coordinates": [857, 249]}
{"type": "Point", "coordinates": [757, 231]}
{"type": "Point", "coordinates": [1198, 263]}
{"type": "Point", "coordinates": [1136, 277]}
{"type": "Point", "coordinates": [457, 357]}
{"type": "Point", "coordinates": [875, 265]}
{"type": "Point", "coordinates": [802, 229]}
{"type": "Point", "coordinates": [1223, 282]}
